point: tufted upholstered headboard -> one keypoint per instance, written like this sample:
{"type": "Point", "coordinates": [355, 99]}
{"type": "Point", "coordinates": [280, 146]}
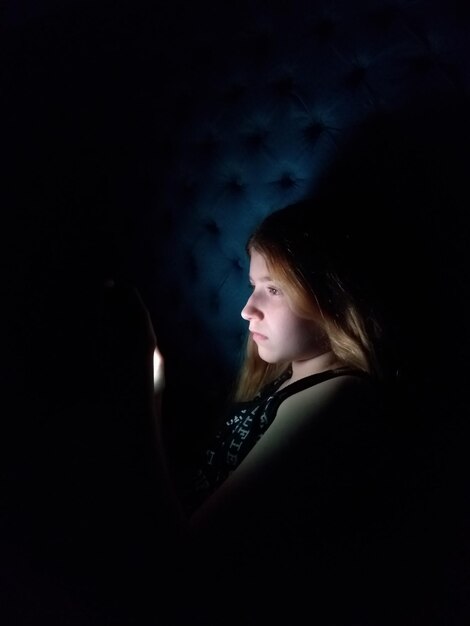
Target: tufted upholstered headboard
{"type": "Point", "coordinates": [148, 141]}
{"type": "Point", "coordinates": [259, 104]}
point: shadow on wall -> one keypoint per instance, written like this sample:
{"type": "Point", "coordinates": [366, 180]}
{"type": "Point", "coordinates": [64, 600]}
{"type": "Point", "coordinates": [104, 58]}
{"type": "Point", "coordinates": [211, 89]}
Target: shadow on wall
{"type": "Point", "coordinates": [400, 192]}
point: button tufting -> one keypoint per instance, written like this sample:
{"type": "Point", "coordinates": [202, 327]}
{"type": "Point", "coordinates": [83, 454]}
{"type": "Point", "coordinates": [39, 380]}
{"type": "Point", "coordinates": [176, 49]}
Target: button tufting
{"type": "Point", "coordinates": [313, 131]}
{"type": "Point", "coordinates": [287, 181]}
{"type": "Point", "coordinates": [212, 227]}
{"type": "Point", "coordinates": [235, 185]}
{"type": "Point", "coordinates": [356, 76]}
{"type": "Point", "coordinates": [237, 264]}
{"type": "Point", "coordinates": [256, 140]}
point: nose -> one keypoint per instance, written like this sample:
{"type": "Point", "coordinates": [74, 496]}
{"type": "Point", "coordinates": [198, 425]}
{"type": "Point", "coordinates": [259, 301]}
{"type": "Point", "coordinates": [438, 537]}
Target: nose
{"type": "Point", "coordinates": [250, 311]}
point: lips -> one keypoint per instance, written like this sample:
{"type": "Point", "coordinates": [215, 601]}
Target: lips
{"type": "Point", "coordinates": [257, 336]}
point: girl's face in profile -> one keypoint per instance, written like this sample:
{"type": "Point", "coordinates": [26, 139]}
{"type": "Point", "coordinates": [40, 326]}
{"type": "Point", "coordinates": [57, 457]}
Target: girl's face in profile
{"type": "Point", "coordinates": [280, 334]}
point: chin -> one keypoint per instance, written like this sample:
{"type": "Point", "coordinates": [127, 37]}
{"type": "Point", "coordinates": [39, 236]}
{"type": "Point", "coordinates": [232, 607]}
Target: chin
{"type": "Point", "coordinates": [271, 359]}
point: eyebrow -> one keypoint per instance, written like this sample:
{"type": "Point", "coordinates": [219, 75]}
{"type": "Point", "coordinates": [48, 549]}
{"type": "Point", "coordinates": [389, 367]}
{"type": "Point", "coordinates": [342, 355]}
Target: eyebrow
{"type": "Point", "coordinates": [264, 279]}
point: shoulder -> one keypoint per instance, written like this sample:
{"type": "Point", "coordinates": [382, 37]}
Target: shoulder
{"type": "Point", "coordinates": [339, 397]}
{"type": "Point", "coordinates": [325, 390]}
{"type": "Point", "coordinates": [316, 431]}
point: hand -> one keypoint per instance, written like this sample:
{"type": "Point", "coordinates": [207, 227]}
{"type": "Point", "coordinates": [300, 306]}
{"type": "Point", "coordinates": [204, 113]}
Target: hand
{"type": "Point", "coordinates": [129, 337]}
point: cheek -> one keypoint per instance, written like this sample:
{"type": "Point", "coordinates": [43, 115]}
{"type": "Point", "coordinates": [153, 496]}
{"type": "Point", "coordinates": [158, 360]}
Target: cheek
{"type": "Point", "coordinates": [305, 332]}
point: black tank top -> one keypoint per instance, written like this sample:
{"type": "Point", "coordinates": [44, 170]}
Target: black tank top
{"type": "Point", "coordinates": [245, 425]}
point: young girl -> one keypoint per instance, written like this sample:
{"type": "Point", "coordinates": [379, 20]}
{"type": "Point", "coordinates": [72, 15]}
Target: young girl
{"type": "Point", "coordinates": [290, 480]}
{"type": "Point", "coordinates": [311, 347]}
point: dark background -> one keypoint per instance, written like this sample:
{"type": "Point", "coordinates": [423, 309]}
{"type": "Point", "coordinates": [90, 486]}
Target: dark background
{"type": "Point", "coordinates": [142, 142]}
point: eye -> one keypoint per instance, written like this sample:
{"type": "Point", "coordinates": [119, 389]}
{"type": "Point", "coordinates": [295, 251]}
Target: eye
{"type": "Point", "coordinates": [274, 291]}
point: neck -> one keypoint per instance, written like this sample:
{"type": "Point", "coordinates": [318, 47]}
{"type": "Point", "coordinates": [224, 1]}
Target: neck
{"type": "Point", "coordinates": [322, 362]}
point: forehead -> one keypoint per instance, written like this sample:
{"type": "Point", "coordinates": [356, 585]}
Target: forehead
{"type": "Point", "coordinates": [258, 266]}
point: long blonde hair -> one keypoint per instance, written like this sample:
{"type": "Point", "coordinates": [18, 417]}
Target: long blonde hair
{"type": "Point", "coordinates": [316, 292]}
